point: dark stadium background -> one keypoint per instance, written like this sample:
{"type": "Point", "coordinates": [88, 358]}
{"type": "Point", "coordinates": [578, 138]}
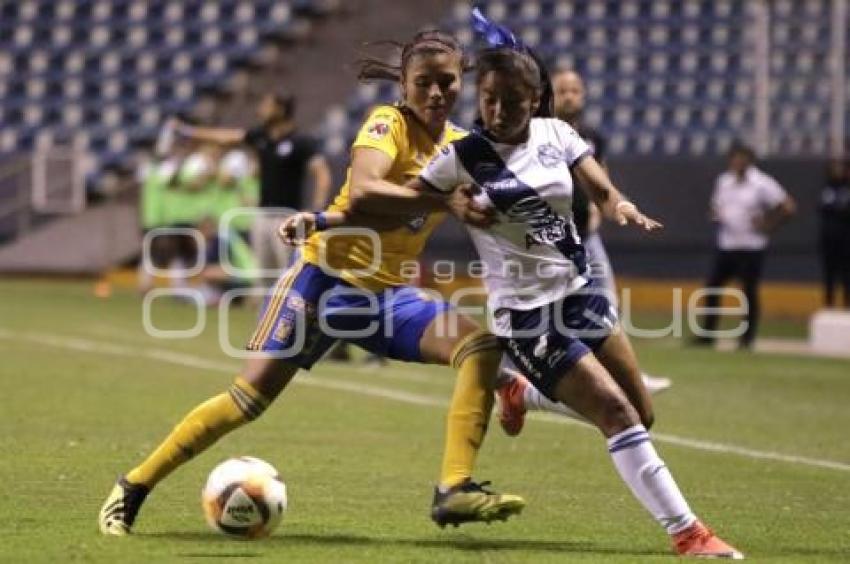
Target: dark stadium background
{"type": "Point", "coordinates": [713, 71]}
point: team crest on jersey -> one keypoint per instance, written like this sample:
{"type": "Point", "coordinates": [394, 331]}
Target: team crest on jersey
{"type": "Point", "coordinates": [295, 303]}
{"type": "Point", "coordinates": [378, 130]}
{"type": "Point", "coordinates": [549, 155]}
{"type": "Point", "coordinates": [283, 329]}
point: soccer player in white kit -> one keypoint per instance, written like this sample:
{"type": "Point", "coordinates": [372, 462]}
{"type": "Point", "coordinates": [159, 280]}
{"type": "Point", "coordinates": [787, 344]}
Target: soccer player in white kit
{"type": "Point", "coordinates": [551, 319]}
{"type": "Point", "coordinates": [516, 396]}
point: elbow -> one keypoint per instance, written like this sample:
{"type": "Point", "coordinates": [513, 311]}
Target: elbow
{"type": "Point", "coordinates": [358, 197]}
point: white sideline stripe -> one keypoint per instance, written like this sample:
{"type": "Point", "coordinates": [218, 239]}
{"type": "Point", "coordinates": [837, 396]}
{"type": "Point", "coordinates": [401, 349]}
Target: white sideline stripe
{"type": "Point", "coordinates": [192, 361]}
{"type": "Point", "coordinates": [709, 446]}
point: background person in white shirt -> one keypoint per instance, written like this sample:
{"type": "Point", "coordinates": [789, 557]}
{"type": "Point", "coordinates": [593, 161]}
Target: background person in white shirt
{"type": "Point", "coordinates": [747, 205]}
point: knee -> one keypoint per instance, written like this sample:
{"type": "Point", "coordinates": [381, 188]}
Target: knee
{"type": "Point", "coordinates": [618, 414]}
{"type": "Point", "coordinates": [644, 409]}
{"type": "Point", "coordinates": [268, 378]}
{"type": "Point", "coordinates": [647, 418]}
{"type": "Point", "coordinates": [479, 344]}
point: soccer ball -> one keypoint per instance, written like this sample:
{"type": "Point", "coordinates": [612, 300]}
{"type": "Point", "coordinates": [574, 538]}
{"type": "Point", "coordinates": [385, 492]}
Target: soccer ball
{"type": "Point", "coordinates": [244, 497]}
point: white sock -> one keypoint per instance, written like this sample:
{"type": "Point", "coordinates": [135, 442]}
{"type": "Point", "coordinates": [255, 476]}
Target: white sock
{"type": "Point", "coordinates": [535, 401]}
{"type": "Point", "coordinates": [145, 279]}
{"type": "Point", "coordinates": [177, 273]}
{"type": "Point", "coordinates": [649, 479]}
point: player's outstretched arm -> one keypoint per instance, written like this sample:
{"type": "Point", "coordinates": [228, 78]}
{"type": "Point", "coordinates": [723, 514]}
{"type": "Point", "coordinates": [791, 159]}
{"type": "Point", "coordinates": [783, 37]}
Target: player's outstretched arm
{"type": "Point", "coordinates": [611, 201]}
{"type": "Point", "coordinates": [295, 229]}
{"type": "Point", "coordinates": [217, 135]}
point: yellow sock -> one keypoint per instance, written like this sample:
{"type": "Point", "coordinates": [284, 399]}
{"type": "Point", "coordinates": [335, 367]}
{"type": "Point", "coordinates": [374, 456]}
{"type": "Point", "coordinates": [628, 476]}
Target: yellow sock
{"type": "Point", "coordinates": [199, 429]}
{"type": "Point", "coordinates": [476, 359]}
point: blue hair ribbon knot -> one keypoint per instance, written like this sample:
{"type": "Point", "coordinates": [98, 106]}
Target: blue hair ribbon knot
{"type": "Point", "coordinates": [494, 34]}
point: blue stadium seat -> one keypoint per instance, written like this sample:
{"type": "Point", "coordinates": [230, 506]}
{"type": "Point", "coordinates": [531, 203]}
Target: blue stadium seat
{"type": "Point", "coordinates": [110, 70]}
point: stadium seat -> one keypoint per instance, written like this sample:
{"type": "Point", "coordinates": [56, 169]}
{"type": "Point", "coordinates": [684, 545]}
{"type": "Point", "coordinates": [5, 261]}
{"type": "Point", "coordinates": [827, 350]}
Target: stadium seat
{"type": "Point", "coordinates": [118, 142]}
{"type": "Point", "coordinates": [173, 13]}
{"type": "Point", "coordinates": [184, 90]}
{"type": "Point", "coordinates": [672, 144]}
{"type": "Point", "coordinates": [174, 37]}
{"type": "Point", "coordinates": [736, 117]}
{"type": "Point", "coordinates": [72, 115]}
{"type": "Point", "coordinates": [335, 145]}
{"type": "Point", "coordinates": [623, 116]}
{"type": "Point", "coordinates": [244, 12]}
{"type": "Point", "coordinates": [8, 140]}
{"type": "Point", "coordinates": [33, 115]}
{"type": "Point", "coordinates": [688, 64]}
{"type": "Point", "coordinates": [64, 10]}
{"type": "Point", "coordinates": [336, 119]}
{"type": "Point", "coordinates": [111, 65]}
{"type": "Point", "coordinates": [530, 11]}
{"type": "Point", "coordinates": [531, 36]}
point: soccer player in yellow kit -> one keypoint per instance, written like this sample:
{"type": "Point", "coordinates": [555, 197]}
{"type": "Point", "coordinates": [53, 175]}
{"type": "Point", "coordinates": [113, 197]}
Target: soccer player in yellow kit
{"type": "Point", "coordinates": [347, 284]}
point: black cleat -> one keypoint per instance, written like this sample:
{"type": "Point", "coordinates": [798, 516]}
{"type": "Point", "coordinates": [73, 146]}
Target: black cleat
{"type": "Point", "coordinates": [121, 507]}
{"type": "Point", "coordinates": [470, 502]}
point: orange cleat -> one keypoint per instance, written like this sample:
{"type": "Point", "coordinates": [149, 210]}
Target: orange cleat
{"type": "Point", "coordinates": [512, 405]}
{"type": "Point", "coordinates": [701, 542]}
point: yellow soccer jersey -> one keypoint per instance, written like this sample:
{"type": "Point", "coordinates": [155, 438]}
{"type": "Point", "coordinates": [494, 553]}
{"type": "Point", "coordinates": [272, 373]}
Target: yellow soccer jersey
{"type": "Point", "coordinates": [391, 130]}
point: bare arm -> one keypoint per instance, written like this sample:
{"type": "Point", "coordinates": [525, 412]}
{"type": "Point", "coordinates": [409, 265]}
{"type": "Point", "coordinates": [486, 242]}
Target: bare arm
{"type": "Point", "coordinates": [713, 209]}
{"type": "Point", "coordinates": [605, 195]}
{"type": "Point", "coordinates": [594, 217]}
{"type": "Point", "coordinates": [778, 215]}
{"type": "Point", "coordinates": [320, 173]}
{"type": "Point", "coordinates": [295, 229]}
{"type": "Point", "coordinates": [217, 135]}
{"type": "Point", "coordinates": [370, 192]}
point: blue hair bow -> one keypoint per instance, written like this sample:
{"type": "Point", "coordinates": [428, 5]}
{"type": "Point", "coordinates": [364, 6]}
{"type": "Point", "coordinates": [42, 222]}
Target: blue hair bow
{"type": "Point", "coordinates": [494, 34]}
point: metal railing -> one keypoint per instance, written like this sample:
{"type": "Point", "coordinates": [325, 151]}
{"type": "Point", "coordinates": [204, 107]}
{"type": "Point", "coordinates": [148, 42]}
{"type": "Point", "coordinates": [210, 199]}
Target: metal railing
{"type": "Point", "coordinates": [51, 181]}
{"type": "Point", "coordinates": [58, 183]}
{"type": "Point", "coordinates": [15, 201]}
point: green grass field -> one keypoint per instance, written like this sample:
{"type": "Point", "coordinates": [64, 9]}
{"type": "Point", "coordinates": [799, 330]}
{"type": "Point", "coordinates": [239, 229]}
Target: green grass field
{"type": "Point", "coordinates": [86, 393]}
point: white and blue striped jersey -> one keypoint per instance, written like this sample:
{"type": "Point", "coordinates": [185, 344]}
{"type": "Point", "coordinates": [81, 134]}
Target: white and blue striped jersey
{"type": "Point", "coordinates": [533, 255]}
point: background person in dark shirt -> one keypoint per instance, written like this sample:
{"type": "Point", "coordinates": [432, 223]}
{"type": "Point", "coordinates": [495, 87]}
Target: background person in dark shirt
{"type": "Point", "coordinates": [568, 89]}
{"type": "Point", "coordinates": [835, 232]}
{"type": "Point", "coordinates": [285, 159]}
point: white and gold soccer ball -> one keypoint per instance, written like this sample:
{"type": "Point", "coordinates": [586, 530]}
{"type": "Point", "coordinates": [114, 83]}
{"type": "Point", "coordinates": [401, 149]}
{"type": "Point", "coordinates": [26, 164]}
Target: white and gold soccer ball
{"type": "Point", "coordinates": [244, 497]}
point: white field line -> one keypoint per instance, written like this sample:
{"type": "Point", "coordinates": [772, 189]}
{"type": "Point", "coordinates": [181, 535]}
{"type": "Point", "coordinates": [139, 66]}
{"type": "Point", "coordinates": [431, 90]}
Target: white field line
{"type": "Point", "coordinates": [192, 361]}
